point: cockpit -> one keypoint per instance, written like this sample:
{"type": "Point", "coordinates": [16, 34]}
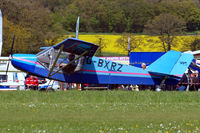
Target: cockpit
{"type": "Point", "coordinates": [65, 61]}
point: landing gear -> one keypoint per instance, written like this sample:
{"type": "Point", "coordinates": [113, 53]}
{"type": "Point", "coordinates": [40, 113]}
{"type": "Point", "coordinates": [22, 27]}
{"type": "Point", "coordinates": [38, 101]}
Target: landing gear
{"type": "Point", "coordinates": [162, 84]}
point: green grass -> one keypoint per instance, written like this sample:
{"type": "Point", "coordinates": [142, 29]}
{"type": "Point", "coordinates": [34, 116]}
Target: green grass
{"type": "Point", "coordinates": [99, 111]}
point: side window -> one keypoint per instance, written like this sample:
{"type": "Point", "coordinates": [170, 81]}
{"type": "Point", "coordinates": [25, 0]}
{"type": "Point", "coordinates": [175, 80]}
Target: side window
{"type": "Point", "coordinates": [68, 59]}
{"type": "Point", "coordinates": [15, 77]}
{"type": "Point", "coordinates": [3, 78]}
{"type": "Point", "coordinates": [45, 56]}
{"type": "Point", "coordinates": [62, 60]}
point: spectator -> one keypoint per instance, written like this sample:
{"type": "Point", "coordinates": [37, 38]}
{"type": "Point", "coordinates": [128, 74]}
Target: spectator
{"type": "Point", "coordinates": [32, 83]}
{"type": "Point", "coordinates": [62, 86]}
{"type": "Point", "coordinates": [197, 80]}
{"type": "Point", "coordinates": [143, 66]}
{"type": "Point", "coordinates": [184, 83]}
{"type": "Point", "coordinates": [196, 73]}
{"type": "Point", "coordinates": [144, 87]}
{"type": "Point", "coordinates": [194, 82]}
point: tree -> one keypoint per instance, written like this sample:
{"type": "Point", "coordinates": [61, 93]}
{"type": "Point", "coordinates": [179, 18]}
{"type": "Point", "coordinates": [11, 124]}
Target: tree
{"type": "Point", "coordinates": [186, 9]}
{"type": "Point", "coordinates": [101, 42]}
{"type": "Point", "coordinates": [195, 45]}
{"type": "Point", "coordinates": [166, 26]}
{"type": "Point", "coordinates": [22, 36]}
{"type": "Point", "coordinates": [122, 42]}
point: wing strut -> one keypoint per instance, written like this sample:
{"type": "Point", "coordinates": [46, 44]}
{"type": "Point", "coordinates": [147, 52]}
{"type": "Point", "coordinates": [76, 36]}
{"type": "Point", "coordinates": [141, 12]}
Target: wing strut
{"type": "Point", "coordinates": [55, 60]}
{"type": "Point", "coordinates": [67, 64]}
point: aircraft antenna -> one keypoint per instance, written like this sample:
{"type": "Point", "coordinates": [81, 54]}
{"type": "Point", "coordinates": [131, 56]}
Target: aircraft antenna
{"type": "Point", "coordinates": [77, 27]}
{"type": "Point", "coordinates": [1, 32]}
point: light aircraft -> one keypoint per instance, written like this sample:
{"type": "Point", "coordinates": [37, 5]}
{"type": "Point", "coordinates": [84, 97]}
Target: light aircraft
{"type": "Point", "coordinates": [53, 63]}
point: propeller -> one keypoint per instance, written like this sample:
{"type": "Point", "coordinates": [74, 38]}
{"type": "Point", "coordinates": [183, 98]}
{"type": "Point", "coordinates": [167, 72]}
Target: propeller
{"type": "Point", "coordinates": [11, 53]}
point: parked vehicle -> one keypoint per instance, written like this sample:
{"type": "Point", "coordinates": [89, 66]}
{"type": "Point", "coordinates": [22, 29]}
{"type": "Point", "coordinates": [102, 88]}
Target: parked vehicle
{"type": "Point", "coordinates": [12, 81]}
{"type": "Point", "coordinates": [47, 84]}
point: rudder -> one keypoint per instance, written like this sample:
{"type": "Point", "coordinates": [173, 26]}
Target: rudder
{"type": "Point", "coordinates": [172, 63]}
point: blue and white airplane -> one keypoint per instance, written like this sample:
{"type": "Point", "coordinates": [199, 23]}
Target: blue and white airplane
{"type": "Point", "coordinates": [53, 63]}
{"type": "Point", "coordinates": [90, 69]}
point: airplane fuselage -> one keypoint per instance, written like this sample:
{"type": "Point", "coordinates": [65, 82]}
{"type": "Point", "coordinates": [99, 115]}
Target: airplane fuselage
{"type": "Point", "coordinates": [95, 70]}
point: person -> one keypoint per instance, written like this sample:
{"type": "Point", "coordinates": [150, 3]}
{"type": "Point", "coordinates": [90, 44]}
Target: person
{"type": "Point", "coordinates": [71, 57]}
{"type": "Point", "coordinates": [62, 86]}
{"type": "Point", "coordinates": [184, 83]}
{"type": "Point", "coordinates": [32, 83]}
{"type": "Point", "coordinates": [197, 80]}
{"type": "Point", "coordinates": [70, 68]}
{"type": "Point", "coordinates": [144, 66]}
{"type": "Point", "coordinates": [144, 87]}
{"type": "Point", "coordinates": [196, 73]}
{"type": "Point", "coordinates": [194, 82]}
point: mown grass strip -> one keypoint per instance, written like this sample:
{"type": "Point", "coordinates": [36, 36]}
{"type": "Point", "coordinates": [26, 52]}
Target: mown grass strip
{"type": "Point", "coordinates": [99, 111]}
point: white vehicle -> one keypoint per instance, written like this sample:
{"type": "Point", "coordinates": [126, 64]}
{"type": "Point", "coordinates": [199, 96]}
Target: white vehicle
{"type": "Point", "coordinates": [13, 79]}
{"type": "Point", "coordinates": [49, 84]}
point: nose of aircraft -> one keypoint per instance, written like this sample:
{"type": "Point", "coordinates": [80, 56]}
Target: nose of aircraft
{"type": "Point", "coordinates": [24, 62]}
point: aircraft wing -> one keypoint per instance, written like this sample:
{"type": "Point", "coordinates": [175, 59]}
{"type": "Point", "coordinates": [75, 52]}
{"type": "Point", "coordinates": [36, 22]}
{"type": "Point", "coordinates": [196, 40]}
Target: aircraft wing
{"type": "Point", "coordinates": [172, 63]}
{"type": "Point", "coordinates": [76, 46]}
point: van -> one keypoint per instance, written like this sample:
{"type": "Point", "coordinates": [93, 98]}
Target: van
{"type": "Point", "coordinates": [12, 81]}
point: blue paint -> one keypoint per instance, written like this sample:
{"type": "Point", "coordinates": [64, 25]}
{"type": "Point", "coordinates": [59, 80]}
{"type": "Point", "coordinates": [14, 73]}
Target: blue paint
{"type": "Point", "coordinates": [100, 71]}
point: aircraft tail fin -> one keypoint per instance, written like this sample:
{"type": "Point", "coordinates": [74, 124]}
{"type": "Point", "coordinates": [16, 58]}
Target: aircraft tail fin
{"type": "Point", "coordinates": [172, 63]}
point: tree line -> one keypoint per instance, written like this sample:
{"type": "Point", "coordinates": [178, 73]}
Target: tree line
{"type": "Point", "coordinates": [37, 23]}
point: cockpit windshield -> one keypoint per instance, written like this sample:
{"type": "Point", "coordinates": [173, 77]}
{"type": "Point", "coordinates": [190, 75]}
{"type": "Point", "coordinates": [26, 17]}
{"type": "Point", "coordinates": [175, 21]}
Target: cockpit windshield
{"type": "Point", "coordinates": [48, 58]}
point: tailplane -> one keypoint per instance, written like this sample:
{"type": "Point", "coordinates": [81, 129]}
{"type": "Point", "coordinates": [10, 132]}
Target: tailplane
{"type": "Point", "coordinates": [172, 63]}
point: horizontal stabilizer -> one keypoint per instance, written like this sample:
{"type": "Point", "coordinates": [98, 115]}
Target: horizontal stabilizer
{"type": "Point", "coordinates": [172, 63]}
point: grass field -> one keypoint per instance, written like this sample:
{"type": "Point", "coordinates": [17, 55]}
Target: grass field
{"type": "Point", "coordinates": [99, 112]}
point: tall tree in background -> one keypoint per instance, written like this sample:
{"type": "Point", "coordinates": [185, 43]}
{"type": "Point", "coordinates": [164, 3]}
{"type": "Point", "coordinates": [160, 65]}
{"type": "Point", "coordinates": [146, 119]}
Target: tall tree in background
{"type": "Point", "coordinates": [195, 45]}
{"type": "Point", "coordinates": [22, 37]}
{"type": "Point", "coordinates": [185, 9]}
{"type": "Point", "coordinates": [29, 21]}
{"type": "Point", "coordinates": [122, 42]}
{"type": "Point", "coordinates": [166, 26]}
{"type": "Point", "coordinates": [43, 21]}
{"type": "Point", "coordinates": [102, 43]}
